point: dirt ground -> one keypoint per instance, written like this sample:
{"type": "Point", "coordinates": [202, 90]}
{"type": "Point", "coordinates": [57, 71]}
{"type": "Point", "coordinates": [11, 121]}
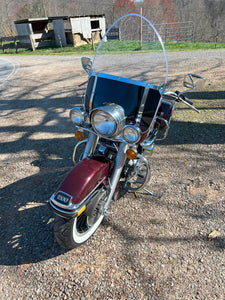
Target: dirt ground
{"type": "Point", "coordinates": [147, 248]}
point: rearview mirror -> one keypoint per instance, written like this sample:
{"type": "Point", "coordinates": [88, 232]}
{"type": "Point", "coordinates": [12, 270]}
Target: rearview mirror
{"type": "Point", "coordinates": [189, 81]}
{"type": "Point", "coordinates": [86, 64]}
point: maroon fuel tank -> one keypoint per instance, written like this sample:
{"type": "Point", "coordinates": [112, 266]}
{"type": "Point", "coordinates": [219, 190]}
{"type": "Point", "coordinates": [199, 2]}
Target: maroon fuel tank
{"type": "Point", "coordinates": [84, 177]}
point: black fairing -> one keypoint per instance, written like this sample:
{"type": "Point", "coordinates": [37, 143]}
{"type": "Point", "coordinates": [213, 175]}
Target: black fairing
{"type": "Point", "coordinates": [126, 94]}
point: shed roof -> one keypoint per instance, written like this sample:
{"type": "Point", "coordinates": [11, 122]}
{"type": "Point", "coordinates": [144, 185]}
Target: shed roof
{"type": "Point", "coordinates": [49, 19]}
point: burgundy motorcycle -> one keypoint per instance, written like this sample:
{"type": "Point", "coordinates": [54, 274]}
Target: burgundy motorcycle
{"type": "Point", "coordinates": [125, 111]}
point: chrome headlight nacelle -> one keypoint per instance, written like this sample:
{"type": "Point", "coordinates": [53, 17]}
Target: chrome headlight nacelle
{"type": "Point", "coordinates": [131, 134]}
{"type": "Point", "coordinates": [77, 115]}
{"type": "Point", "coordinates": [108, 120]}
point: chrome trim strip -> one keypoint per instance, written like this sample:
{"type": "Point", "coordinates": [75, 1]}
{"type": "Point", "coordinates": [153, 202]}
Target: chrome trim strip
{"type": "Point", "coordinates": [90, 130]}
{"type": "Point", "coordinates": [93, 93]}
{"type": "Point", "coordinates": [126, 80]}
{"type": "Point", "coordinates": [119, 138]}
{"type": "Point", "coordinates": [56, 209]}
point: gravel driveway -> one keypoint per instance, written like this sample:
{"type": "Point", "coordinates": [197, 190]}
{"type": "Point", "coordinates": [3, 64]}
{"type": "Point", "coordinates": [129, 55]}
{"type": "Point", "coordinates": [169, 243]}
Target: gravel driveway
{"type": "Point", "coordinates": [148, 248]}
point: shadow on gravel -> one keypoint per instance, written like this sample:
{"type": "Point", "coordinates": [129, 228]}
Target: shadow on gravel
{"type": "Point", "coordinates": [217, 243]}
{"type": "Point", "coordinates": [26, 233]}
{"type": "Point", "coordinates": [202, 132]}
{"type": "Point", "coordinates": [25, 219]}
{"type": "Point", "coordinates": [212, 95]}
{"type": "Point", "coordinates": [194, 133]}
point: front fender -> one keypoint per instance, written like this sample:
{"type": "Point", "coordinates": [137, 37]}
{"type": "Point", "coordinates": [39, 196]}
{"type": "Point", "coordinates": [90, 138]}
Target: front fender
{"type": "Point", "coordinates": [78, 184]}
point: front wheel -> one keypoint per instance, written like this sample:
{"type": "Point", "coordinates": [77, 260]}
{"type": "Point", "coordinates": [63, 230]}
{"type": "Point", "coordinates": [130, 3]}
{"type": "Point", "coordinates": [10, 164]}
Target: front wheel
{"type": "Point", "coordinates": [71, 233]}
{"type": "Point", "coordinates": [74, 232]}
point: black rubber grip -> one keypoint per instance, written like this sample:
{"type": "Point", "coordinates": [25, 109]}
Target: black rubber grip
{"type": "Point", "coordinates": [188, 100]}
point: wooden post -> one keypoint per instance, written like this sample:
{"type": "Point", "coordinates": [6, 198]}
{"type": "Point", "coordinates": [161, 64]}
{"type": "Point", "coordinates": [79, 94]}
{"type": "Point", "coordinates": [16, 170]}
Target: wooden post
{"type": "Point", "coordinates": [141, 28]}
{"type": "Point", "coordinates": [32, 42]}
{"type": "Point", "coordinates": [217, 36]}
{"type": "Point", "coordinates": [1, 44]}
{"type": "Point", "coordinates": [15, 44]}
{"type": "Point", "coordinates": [92, 40]}
{"type": "Point", "coordinates": [166, 33]}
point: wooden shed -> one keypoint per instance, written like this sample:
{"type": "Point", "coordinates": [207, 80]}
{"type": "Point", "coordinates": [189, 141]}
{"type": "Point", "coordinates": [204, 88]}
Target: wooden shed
{"type": "Point", "coordinates": [86, 28]}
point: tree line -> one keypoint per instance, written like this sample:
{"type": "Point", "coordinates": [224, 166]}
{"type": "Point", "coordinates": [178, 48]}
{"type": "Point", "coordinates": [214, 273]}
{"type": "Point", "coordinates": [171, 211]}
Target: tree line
{"type": "Point", "coordinates": [207, 15]}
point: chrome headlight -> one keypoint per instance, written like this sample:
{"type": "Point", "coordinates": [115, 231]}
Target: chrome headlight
{"type": "Point", "coordinates": [108, 120]}
{"type": "Point", "coordinates": [77, 115]}
{"type": "Point", "coordinates": [131, 133]}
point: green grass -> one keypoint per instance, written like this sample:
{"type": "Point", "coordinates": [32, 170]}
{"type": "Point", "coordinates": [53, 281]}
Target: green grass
{"type": "Point", "coordinates": [81, 50]}
{"type": "Point", "coordinates": [184, 46]}
{"type": "Point", "coordinates": [116, 46]}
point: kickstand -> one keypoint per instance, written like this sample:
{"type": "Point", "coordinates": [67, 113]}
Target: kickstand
{"type": "Point", "coordinates": [152, 194]}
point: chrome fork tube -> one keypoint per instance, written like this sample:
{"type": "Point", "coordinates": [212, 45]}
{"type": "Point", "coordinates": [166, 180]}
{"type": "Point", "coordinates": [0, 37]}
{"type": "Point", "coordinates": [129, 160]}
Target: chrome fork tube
{"type": "Point", "coordinates": [119, 163]}
{"type": "Point", "coordinates": [91, 145]}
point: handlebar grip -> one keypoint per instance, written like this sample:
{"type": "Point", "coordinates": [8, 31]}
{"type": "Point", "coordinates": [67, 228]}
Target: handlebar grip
{"type": "Point", "coordinates": [186, 99]}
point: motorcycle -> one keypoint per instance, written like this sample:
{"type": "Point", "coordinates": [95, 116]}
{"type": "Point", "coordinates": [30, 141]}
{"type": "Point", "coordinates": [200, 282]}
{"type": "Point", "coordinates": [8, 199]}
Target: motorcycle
{"type": "Point", "coordinates": [125, 111]}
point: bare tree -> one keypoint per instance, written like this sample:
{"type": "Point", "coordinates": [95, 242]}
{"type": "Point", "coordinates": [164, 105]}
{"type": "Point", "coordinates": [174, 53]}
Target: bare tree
{"type": "Point", "coordinates": [207, 15]}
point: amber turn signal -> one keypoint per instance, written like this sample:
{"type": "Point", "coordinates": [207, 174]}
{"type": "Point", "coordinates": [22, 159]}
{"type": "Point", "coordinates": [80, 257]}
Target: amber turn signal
{"type": "Point", "coordinates": [131, 154]}
{"type": "Point", "coordinates": [79, 136]}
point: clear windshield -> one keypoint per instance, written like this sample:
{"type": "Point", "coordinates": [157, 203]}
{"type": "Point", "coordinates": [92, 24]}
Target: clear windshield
{"type": "Point", "coordinates": [133, 49]}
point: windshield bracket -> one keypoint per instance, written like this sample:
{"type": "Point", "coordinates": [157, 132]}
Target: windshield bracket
{"type": "Point", "coordinates": [142, 105]}
{"type": "Point", "coordinates": [93, 93]}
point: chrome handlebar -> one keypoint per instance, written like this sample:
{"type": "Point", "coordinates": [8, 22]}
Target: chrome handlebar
{"type": "Point", "coordinates": [179, 97]}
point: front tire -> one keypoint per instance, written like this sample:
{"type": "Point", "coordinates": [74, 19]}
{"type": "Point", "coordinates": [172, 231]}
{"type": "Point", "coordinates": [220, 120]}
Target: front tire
{"type": "Point", "coordinates": [74, 232]}
{"type": "Point", "coordinates": [71, 233]}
